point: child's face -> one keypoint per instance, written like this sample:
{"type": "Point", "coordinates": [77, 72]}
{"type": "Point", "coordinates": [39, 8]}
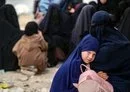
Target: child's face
{"type": "Point", "coordinates": [88, 56]}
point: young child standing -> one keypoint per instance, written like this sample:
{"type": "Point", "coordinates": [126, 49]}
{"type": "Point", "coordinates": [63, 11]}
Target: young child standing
{"type": "Point", "coordinates": [31, 49]}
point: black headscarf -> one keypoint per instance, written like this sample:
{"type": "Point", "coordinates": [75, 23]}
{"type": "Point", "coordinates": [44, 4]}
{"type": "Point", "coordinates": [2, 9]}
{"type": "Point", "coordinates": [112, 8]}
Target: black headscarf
{"type": "Point", "coordinates": [8, 13]}
{"type": "Point", "coordinates": [113, 56]}
{"type": "Point", "coordinates": [2, 2]}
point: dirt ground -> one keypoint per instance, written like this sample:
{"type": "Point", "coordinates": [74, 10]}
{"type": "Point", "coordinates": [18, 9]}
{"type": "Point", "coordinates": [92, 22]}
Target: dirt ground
{"type": "Point", "coordinates": [24, 19]}
{"type": "Point", "coordinates": [18, 82]}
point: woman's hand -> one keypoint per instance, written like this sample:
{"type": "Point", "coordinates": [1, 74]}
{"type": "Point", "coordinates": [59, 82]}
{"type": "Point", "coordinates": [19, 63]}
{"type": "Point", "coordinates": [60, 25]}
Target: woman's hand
{"type": "Point", "coordinates": [103, 75]}
{"type": "Point", "coordinates": [72, 10]}
{"type": "Point", "coordinates": [39, 17]}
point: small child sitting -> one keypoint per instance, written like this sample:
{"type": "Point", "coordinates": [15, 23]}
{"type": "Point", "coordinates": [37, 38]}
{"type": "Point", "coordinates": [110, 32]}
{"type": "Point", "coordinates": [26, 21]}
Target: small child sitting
{"type": "Point", "coordinates": [31, 49]}
{"type": "Point", "coordinates": [69, 73]}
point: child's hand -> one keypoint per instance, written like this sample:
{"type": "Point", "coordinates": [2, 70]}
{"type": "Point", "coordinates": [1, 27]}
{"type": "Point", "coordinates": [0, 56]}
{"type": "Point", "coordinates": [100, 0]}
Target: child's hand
{"type": "Point", "coordinates": [103, 75]}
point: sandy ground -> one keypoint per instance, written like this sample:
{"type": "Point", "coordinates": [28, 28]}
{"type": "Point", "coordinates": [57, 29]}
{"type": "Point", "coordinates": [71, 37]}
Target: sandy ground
{"type": "Point", "coordinates": [24, 83]}
{"type": "Point", "coordinates": [24, 19]}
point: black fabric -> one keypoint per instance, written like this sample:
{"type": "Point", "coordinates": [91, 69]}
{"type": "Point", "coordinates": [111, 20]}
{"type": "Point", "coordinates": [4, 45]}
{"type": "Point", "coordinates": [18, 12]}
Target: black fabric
{"type": "Point", "coordinates": [111, 6]}
{"type": "Point", "coordinates": [123, 4]}
{"type": "Point", "coordinates": [124, 26]}
{"type": "Point", "coordinates": [8, 13]}
{"type": "Point", "coordinates": [35, 6]}
{"type": "Point", "coordinates": [94, 4]}
{"type": "Point", "coordinates": [77, 12]}
{"type": "Point", "coordinates": [56, 22]}
{"type": "Point", "coordinates": [82, 25]}
{"type": "Point", "coordinates": [113, 56]}
{"type": "Point", "coordinates": [56, 28]}
{"type": "Point", "coordinates": [8, 37]}
{"type": "Point", "coordinates": [2, 2]}
{"type": "Point", "coordinates": [51, 26]}
{"type": "Point", "coordinates": [9, 34]}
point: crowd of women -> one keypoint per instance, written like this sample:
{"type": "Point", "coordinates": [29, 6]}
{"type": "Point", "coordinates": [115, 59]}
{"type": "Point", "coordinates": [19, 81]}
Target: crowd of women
{"type": "Point", "coordinates": [72, 30]}
{"type": "Point", "coordinates": [112, 57]}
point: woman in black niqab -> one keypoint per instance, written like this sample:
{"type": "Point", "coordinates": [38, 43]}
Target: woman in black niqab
{"type": "Point", "coordinates": [9, 34]}
{"type": "Point", "coordinates": [113, 55]}
{"type": "Point", "coordinates": [2, 2]}
{"type": "Point", "coordinates": [8, 13]}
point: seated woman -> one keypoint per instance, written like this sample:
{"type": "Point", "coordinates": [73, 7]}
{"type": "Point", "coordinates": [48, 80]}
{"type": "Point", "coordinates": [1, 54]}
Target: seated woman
{"type": "Point", "coordinates": [113, 56]}
{"type": "Point", "coordinates": [56, 27]}
{"type": "Point", "coordinates": [9, 35]}
{"type": "Point", "coordinates": [69, 72]}
{"type": "Point", "coordinates": [81, 26]}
